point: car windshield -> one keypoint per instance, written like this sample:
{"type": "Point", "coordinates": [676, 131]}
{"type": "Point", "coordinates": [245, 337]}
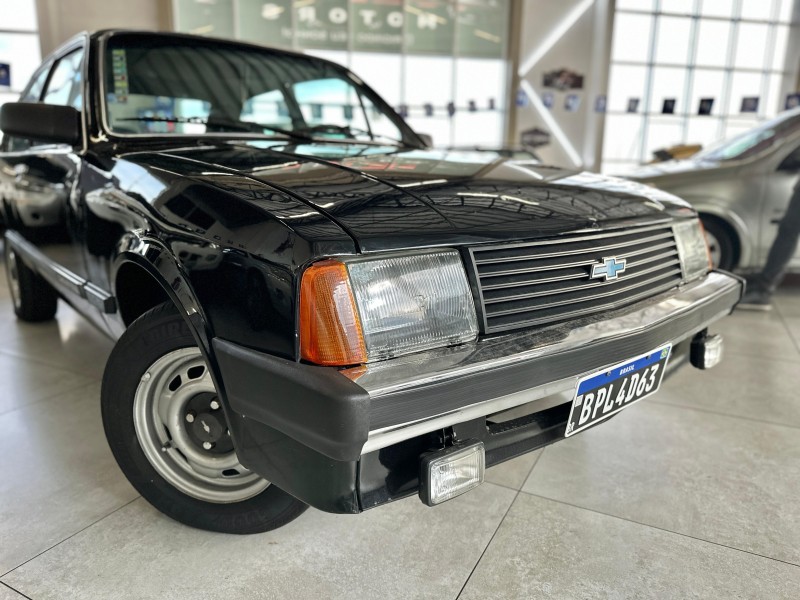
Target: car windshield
{"type": "Point", "coordinates": [159, 85]}
{"type": "Point", "coordinates": [752, 142]}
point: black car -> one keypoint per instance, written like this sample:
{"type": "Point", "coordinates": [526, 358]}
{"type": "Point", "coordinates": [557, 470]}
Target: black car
{"type": "Point", "coordinates": [311, 307]}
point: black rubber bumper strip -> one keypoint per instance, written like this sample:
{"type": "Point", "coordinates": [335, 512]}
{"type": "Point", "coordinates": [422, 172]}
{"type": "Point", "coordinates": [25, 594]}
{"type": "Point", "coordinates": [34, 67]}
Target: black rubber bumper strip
{"type": "Point", "coordinates": [316, 406]}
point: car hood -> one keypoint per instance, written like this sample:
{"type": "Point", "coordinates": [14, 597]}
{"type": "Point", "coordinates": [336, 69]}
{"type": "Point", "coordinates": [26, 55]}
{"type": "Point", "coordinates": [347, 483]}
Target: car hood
{"type": "Point", "coordinates": [386, 198]}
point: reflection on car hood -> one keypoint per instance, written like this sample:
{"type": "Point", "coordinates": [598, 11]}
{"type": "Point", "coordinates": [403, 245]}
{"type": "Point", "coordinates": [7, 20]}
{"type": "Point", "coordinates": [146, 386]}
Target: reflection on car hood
{"type": "Point", "coordinates": [673, 167]}
{"type": "Point", "coordinates": [388, 198]}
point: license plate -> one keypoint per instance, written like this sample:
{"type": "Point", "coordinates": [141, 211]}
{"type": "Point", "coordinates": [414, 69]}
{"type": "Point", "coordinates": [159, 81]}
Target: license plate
{"type": "Point", "coordinates": [607, 392]}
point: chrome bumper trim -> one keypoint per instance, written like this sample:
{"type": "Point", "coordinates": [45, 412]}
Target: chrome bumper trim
{"type": "Point", "coordinates": [436, 366]}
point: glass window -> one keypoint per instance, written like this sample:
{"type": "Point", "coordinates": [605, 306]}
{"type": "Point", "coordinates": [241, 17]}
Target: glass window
{"type": "Point", "coordinates": [373, 67]}
{"type": "Point", "coordinates": [21, 52]}
{"type": "Point", "coordinates": [776, 95]}
{"type": "Point", "coordinates": [479, 128]}
{"type": "Point", "coordinates": [19, 15]}
{"type": "Point", "coordinates": [64, 86]}
{"type": "Point", "coordinates": [707, 84]}
{"type": "Point", "coordinates": [785, 10]}
{"type": "Point", "coordinates": [702, 130]}
{"type": "Point", "coordinates": [663, 133]}
{"type": "Point", "coordinates": [697, 65]}
{"type": "Point", "coordinates": [718, 8]}
{"type": "Point", "coordinates": [269, 108]}
{"type": "Point", "coordinates": [379, 124]}
{"type": "Point", "coordinates": [429, 80]}
{"type": "Point", "coordinates": [781, 33]}
{"type": "Point", "coordinates": [480, 81]}
{"type": "Point", "coordinates": [623, 134]}
{"type": "Point", "coordinates": [712, 43]}
{"type": "Point", "coordinates": [761, 10]}
{"type": "Point", "coordinates": [744, 85]}
{"type": "Point", "coordinates": [626, 82]}
{"type": "Point", "coordinates": [668, 83]}
{"type": "Point", "coordinates": [647, 5]}
{"type": "Point", "coordinates": [170, 86]}
{"type": "Point", "coordinates": [634, 45]}
{"type": "Point", "coordinates": [673, 40]}
{"type": "Point", "coordinates": [734, 127]}
{"type": "Point", "coordinates": [35, 91]}
{"type": "Point", "coordinates": [751, 45]}
{"type": "Point", "coordinates": [680, 7]}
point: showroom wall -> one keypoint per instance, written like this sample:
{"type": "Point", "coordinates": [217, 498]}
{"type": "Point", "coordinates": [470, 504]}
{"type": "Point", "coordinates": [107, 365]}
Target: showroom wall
{"type": "Point", "coordinates": [562, 69]}
{"type": "Point", "coordinates": [61, 19]}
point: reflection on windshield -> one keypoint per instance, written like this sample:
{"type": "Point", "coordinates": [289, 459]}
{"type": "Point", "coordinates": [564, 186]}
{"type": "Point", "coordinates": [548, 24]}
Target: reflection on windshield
{"type": "Point", "coordinates": [753, 142]}
{"type": "Point", "coordinates": [166, 86]}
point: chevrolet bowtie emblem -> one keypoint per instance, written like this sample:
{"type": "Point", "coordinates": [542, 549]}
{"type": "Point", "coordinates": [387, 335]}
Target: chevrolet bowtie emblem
{"type": "Point", "coordinates": [609, 268]}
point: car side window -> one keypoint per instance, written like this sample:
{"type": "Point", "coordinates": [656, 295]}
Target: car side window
{"type": "Point", "coordinates": [791, 163]}
{"type": "Point", "coordinates": [64, 86]}
{"type": "Point", "coordinates": [35, 89]}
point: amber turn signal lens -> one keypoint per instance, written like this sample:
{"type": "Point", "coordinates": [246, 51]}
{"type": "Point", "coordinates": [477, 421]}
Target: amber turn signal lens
{"type": "Point", "coordinates": [330, 330]}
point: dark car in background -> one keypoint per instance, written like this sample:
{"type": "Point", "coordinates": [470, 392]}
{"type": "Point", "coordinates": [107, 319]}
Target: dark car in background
{"type": "Point", "coordinates": [310, 306]}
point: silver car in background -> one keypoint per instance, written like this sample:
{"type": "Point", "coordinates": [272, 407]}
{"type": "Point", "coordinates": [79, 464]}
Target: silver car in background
{"type": "Point", "coordinates": [741, 188]}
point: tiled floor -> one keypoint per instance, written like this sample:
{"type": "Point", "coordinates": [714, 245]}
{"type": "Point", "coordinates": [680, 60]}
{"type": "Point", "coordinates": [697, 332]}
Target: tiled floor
{"type": "Point", "coordinates": [691, 494]}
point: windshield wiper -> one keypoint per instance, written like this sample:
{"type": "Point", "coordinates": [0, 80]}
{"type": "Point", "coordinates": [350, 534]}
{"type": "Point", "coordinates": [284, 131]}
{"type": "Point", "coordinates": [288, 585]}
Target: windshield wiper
{"type": "Point", "coordinates": [348, 131]}
{"type": "Point", "coordinates": [244, 126]}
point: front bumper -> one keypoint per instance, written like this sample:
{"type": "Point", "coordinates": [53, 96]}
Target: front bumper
{"type": "Point", "coordinates": [347, 440]}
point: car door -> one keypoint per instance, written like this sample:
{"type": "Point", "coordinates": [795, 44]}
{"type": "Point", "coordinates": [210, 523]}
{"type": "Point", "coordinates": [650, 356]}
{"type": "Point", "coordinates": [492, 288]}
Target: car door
{"type": "Point", "coordinates": [40, 191]}
{"type": "Point", "coordinates": [778, 186]}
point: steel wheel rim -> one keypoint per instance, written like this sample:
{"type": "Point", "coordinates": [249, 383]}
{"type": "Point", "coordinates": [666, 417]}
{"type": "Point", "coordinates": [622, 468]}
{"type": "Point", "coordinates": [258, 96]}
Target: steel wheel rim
{"type": "Point", "coordinates": [159, 416]}
{"type": "Point", "coordinates": [713, 248]}
{"type": "Point", "coordinates": [12, 269]}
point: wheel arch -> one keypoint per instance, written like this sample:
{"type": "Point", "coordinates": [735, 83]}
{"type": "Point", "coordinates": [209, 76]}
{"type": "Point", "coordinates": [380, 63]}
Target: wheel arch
{"type": "Point", "coordinates": [145, 274]}
{"type": "Point", "coordinates": [740, 232]}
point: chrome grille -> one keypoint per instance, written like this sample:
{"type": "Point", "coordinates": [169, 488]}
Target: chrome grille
{"type": "Point", "coordinates": [522, 285]}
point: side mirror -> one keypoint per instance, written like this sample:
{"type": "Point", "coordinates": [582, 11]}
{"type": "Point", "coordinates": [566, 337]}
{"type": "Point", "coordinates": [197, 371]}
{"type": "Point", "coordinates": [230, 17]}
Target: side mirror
{"type": "Point", "coordinates": [426, 138]}
{"type": "Point", "coordinates": [41, 122]}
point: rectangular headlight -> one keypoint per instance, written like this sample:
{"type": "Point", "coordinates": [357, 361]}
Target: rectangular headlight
{"type": "Point", "coordinates": [692, 249]}
{"type": "Point", "coordinates": [357, 310]}
{"type": "Point", "coordinates": [412, 303]}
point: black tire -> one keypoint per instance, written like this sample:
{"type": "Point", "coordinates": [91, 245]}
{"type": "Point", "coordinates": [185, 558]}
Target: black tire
{"type": "Point", "coordinates": [157, 335]}
{"type": "Point", "coordinates": [34, 299]}
{"type": "Point", "coordinates": [717, 231]}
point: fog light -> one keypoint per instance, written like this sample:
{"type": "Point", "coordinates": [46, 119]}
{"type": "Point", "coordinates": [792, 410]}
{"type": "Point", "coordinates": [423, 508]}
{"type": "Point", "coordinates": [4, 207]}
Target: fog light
{"type": "Point", "coordinates": [706, 350]}
{"type": "Point", "coordinates": [451, 472]}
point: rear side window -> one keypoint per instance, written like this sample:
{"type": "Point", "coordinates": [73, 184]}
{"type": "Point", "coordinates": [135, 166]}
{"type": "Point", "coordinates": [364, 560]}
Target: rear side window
{"type": "Point", "coordinates": [64, 86]}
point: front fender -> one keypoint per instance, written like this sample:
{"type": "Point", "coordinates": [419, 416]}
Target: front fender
{"type": "Point", "coordinates": [154, 257]}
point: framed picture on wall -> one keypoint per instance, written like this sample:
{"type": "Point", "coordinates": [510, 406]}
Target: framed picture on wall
{"type": "Point", "coordinates": [750, 104]}
{"type": "Point", "coordinates": [706, 106]}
